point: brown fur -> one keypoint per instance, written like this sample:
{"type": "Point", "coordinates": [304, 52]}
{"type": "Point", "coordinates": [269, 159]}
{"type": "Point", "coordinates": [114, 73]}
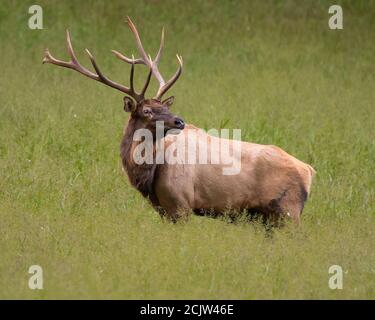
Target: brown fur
{"type": "Point", "coordinates": [140, 176]}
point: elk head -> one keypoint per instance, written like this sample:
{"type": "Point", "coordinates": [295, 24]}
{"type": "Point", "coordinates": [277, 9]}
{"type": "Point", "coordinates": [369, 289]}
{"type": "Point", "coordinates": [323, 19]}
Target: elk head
{"type": "Point", "coordinates": [146, 112]}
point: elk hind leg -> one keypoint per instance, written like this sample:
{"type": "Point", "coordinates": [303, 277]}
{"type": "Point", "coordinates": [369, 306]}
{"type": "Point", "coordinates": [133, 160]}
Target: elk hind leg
{"type": "Point", "coordinates": [292, 203]}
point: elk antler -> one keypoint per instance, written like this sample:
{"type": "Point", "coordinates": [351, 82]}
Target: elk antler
{"type": "Point", "coordinates": [98, 76]}
{"type": "Point", "coordinates": [153, 65]}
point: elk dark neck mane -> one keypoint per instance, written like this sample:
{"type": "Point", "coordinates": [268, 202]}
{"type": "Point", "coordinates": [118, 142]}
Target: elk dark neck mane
{"type": "Point", "coordinates": [141, 176]}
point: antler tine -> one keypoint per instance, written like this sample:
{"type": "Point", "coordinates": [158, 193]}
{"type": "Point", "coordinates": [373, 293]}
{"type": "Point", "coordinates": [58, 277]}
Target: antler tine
{"type": "Point", "coordinates": [126, 59]}
{"type": "Point", "coordinates": [155, 66]}
{"type": "Point", "coordinates": [157, 58]}
{"type": "Point", "coordinates": [103, 78]}
{"type": "Point", "coordinates": [147, 82]}
{"type": "Point", "coordinates": [163, 86]}
{"type": "Point", "coordinates": [146, 60]}
{"type": "Point", "coordinates": [72, 64]}
{"type": "Point", "coordinates": [48, 58]}
{"type": "Point", "coordinates": [163, 89]}
{"type": "Point", "coordinates": [70, 48]}
{"type": "Point", "coordinates": [75, 65]}
{"type": "Point", "coordinates": [132, 75]}
{"type": "Point", "coordinates": [138, 42]}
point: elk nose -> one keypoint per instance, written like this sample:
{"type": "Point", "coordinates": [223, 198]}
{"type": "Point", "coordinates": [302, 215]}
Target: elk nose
{"type": "Point", "coordinates": [179, 123]}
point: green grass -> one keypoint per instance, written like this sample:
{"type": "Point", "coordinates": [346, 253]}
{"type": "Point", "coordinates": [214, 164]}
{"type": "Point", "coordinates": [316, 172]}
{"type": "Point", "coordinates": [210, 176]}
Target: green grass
{"type": "Point", "coordinates": [271, 68]}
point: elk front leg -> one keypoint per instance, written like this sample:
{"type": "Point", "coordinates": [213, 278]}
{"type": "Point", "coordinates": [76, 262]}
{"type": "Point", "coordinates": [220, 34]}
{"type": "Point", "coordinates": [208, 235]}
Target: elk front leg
{"type": "Point", "coordinates": [175, 214]}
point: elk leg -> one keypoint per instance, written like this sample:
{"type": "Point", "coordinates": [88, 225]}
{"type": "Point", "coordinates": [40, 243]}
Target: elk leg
{"type": "Point", "coordinates": [161, 211]}
{"type": "Point", "coordinates": [175, 214]}
{"type": "Point", "coordinates": [291, 205]}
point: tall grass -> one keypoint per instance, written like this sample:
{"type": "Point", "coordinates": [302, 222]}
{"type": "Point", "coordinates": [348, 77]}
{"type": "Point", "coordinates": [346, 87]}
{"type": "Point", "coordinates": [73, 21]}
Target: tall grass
{"type": "Point", "coordinates": [271, 68]}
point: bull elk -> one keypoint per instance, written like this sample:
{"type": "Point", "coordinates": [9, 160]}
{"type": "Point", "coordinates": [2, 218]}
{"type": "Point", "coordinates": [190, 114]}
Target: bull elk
{"type": "Point", "coordinates": [271, 182]}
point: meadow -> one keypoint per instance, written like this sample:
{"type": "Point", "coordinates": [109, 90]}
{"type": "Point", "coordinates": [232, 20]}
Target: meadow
{"type": "Point", "coordinates": [271, 68]}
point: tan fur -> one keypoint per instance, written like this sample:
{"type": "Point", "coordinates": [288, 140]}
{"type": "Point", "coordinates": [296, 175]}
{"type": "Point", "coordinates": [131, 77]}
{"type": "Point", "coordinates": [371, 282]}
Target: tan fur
{"type": "Point", "coordinates": [271, 182]}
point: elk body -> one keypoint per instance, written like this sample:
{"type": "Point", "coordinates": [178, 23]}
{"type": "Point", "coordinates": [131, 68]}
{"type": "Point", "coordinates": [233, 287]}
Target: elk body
{"type": "Point", "coordinates": [270, 182]}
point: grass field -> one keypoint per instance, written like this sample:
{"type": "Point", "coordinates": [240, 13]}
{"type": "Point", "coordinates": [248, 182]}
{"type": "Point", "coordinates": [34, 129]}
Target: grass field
{"type": "Point", "coordinates": [272, 68]}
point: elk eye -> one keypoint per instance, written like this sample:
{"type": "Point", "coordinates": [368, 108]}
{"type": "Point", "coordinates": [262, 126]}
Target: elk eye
{"type": "Point", "coordinates": [147, 111]}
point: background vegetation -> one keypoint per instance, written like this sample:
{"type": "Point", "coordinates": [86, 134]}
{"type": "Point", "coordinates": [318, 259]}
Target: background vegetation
{"type": "Point", "coordinates": [272, 68]}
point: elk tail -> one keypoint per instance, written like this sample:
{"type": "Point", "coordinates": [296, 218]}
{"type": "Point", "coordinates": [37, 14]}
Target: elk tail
{"type": "Point", "coordinates": [312, 171]}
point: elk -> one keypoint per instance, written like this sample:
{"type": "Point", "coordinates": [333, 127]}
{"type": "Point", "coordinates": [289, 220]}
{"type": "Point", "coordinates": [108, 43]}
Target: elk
{"type": "Point", "coordinates": [271, 182]}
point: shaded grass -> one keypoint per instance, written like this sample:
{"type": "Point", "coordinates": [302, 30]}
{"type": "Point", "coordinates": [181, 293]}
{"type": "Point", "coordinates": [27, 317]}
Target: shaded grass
{"type": "Point", "coordinates": [271, 68]}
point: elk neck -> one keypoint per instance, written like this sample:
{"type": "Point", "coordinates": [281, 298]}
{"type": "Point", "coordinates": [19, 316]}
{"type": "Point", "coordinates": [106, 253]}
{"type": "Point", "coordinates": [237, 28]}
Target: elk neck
{"type": "Point", "coordinates": [141, 176]}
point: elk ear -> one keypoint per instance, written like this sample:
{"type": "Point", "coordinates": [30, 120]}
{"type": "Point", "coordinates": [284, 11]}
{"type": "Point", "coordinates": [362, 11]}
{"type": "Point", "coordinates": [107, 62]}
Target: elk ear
{"type": "Point", "coordinates": [129, 105]}
{"type": "Point", "coordinates": [168, 102]}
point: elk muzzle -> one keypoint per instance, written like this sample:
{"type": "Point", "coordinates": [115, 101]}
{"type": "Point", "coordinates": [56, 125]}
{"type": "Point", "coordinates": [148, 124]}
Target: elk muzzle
{"type": "Point", "coordinates": [179, 123]}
